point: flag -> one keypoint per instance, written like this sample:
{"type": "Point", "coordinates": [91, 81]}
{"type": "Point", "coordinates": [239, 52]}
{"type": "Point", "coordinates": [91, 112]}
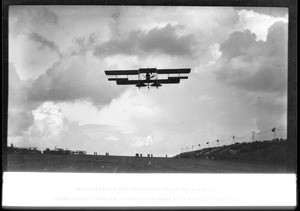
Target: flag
{"type": "Point", "coordinates": [273, 129]}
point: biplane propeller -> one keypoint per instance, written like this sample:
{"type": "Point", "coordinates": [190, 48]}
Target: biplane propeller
{"type": "Point", "coordinates": [147, 76]}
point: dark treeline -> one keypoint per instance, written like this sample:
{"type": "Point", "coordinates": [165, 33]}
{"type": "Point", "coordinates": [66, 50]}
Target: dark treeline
{"type": "Point", "coordinates": [34, 150]}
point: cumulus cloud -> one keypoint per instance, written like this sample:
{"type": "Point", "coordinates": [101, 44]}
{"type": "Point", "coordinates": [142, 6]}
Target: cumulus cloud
{"type": "Point", "coordinates": [158, 40]}
{"type": "Point", "coordinates": [258, 70]}
{"type": "Point", "coordinates": [271, 11]}
{"type": "Point", "coordinates": [48, 121]}
{"type": "Point", "coordinates": [73, 79]}
{"type": "Point", "coordinates": [50, 129]}
{"type": "Point", "coordinates": [257, 23]}
{"type": "Point", "coordinates": [255, 65]}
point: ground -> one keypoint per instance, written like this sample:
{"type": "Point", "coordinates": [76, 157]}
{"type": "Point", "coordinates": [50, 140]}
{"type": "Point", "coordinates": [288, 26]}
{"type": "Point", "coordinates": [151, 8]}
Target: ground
{"type": "Point", "coordinates": [125, 164]}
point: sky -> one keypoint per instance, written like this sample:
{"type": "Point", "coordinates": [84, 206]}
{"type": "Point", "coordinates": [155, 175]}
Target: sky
{"type": "Point", "coordinates": [59, 95]}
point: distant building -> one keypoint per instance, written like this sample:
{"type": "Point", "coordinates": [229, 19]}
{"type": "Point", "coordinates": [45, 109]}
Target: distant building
{"type": "Point", "coordinates": [69, 152]}
{"type": "Point", "coordinates": [79, 152]}
{"type": "Point", "coordinates": [58, 151]}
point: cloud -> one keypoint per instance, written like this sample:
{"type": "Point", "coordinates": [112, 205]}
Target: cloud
{"type": "Point", "coordinates": [27, 19]}
{"type": "Point", "coordinates": [257, 70]}
{"type": "Point", "coordinates": [73, 79]}
{"type": "Point", "coordinates": [257, 23]}
{"type": "Point", "coordinates": [140, 141]}
{"type": "Point", "coordinates": [44, 42]}
{"type": "Point", "coordinates": [252, 65]}
{"type": "Point", "coordinates": [48, 121]}
{"type": "Point", "coordinates": [45, 15]}
{"type": "Point", "coordinates": [32, 39]}
{"type": "Point", "coordinates": [270, 11]}
{"type": "Point", "coordinates": [111, 138]}
{"type": "Point", "coordinates": [84, 44]}
{"type": "Point", "coordinates": [115, 22]}
{"type": "Point", "coordinates": [18, 121]}
{"type": "Point", "coordinates": [166, 41]}
{"type": "Point", "coordinates": [158, 40]}
{"type": "Point", "coordinates": [19, 109]}
{"type": "Point", "coordinates": [50, 129]}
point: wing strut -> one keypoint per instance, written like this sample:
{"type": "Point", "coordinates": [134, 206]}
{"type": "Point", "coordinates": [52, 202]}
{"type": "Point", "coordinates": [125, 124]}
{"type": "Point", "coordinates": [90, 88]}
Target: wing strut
{"type": "Point", "coordinates": [156, 79]}
{"type": "Point", "coordinates": [139, 78]}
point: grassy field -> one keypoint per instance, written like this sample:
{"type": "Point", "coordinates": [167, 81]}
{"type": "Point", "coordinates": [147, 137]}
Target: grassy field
{"type": "Point", "coordinates": [123, 164]}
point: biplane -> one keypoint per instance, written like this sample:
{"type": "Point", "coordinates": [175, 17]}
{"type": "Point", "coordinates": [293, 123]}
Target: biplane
{"type": "Point", "coordinates": [147, 77]}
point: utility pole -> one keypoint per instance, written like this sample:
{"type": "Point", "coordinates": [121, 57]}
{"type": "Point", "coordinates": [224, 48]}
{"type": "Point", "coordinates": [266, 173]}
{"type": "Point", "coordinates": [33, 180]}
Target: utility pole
{"type": "Point", "coordinates": [233, 139]}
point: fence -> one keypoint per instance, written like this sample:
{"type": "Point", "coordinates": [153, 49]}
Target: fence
{"type": "Point", "coordinates": [252, 136]}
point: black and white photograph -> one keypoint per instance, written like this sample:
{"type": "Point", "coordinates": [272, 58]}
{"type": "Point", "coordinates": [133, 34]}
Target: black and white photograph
{"type": "Point", "coordinates": [139, 89]}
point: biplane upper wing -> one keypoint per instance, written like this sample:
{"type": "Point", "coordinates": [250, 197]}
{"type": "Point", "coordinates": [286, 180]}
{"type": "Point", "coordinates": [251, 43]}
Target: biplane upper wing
{"type": "Point", "coordinates": [173, 71]}
{"type": "Point", "coordinates": [121, 72]}
{"type": "Point", "coordinates": [147, 70]}
{"type": "Point", "coordinates": [161, 81]}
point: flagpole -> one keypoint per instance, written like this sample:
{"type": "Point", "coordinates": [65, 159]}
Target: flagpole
{"type": "Point", "coordinates": [274, 130]}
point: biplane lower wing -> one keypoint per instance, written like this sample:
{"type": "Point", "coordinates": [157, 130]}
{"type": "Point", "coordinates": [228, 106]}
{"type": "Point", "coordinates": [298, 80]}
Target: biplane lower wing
{"type": "Point", "coordinates": [177, 77]}
{"type": "Point", "coordinates": [118, 79]}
